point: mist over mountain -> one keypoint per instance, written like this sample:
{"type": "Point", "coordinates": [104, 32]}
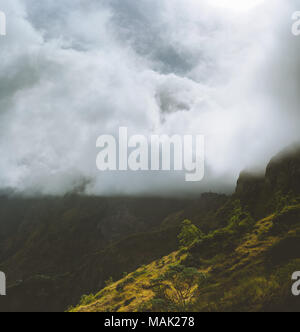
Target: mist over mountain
{"type": "Point", "coordinates": [71, 71]}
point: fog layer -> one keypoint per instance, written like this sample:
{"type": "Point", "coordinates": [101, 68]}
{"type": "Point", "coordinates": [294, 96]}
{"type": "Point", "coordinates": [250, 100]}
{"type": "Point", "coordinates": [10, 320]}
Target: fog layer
{"type": "Point", "coordinates": [72, 70]}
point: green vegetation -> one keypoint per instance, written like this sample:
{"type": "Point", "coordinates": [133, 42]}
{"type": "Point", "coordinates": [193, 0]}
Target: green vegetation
{"type": "Point", "coordinates": [189, 234]}
{"type": "Point", "coordinates": [245, 266]}
{"type": "Point", "coordinates": [120, 287]}
{"type": "Point", "coordinates": [109, 282]}
{"type": "Point", "coordinates": [87, 299]}
{"type": "Point", "coordinates": [215, 253]}
{"type": "Point", "coordinates": [175, 289]}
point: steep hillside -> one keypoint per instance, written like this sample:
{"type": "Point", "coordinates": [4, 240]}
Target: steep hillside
{"type": "Point", "coordinates": [55, 249]}
{"type": "Point", "coordinates": [245, 271]}
{"type": "Point", "coordinates": [264, 193]}
{"type": "Point", "coordinates": [245, 265]}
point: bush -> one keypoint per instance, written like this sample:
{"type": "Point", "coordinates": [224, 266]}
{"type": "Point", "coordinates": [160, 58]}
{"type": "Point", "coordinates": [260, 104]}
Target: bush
{"type": "Point", "coordinates": [87, 299]}
{"type": "Point", "coordinates": [175, 289]}
{"type": "Point", "coordinates": [189, 234]}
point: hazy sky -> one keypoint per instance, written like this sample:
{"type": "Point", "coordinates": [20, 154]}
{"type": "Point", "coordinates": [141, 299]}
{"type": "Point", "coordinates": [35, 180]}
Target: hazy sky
{"type": "Point", "coordinates": [72, 70]}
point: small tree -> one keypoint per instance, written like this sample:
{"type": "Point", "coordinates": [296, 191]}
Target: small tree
{"type": "Point", "coordinates": [189, 234]}
{"type": "Point", "coordinates": [176, 287]}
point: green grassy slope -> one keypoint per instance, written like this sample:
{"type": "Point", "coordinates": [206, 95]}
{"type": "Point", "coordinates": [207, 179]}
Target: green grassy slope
{"type": "Point", "coordinates": [252, 275]}
{"type": "Point", "coordinates": [247, 259]}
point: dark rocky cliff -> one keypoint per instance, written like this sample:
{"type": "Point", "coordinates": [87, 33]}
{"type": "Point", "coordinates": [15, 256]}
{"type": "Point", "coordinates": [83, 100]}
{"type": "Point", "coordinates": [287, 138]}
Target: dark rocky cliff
{"type": "Point", "coordinates": [261, 192]}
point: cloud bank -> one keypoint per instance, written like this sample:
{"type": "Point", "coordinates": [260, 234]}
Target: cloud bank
{"type": "Point", "coordinates": [73, 70]}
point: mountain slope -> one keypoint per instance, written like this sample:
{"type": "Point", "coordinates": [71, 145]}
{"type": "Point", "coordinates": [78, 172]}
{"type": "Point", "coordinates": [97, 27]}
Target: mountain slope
{"type": "Point", "coordinates": [55, 249]}
{"type": "Point", "coordinates": [247, 262]}
{"type": "Point", "coordinates": [253, 276]}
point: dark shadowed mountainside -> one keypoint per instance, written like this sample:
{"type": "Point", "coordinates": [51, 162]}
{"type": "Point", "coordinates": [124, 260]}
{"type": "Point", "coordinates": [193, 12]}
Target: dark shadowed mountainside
{"type": "Point", "coordinates": [53, 250]}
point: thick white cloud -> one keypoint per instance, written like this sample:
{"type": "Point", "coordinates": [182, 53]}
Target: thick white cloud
{"type": "Point", "coordinates": [73, 70]}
